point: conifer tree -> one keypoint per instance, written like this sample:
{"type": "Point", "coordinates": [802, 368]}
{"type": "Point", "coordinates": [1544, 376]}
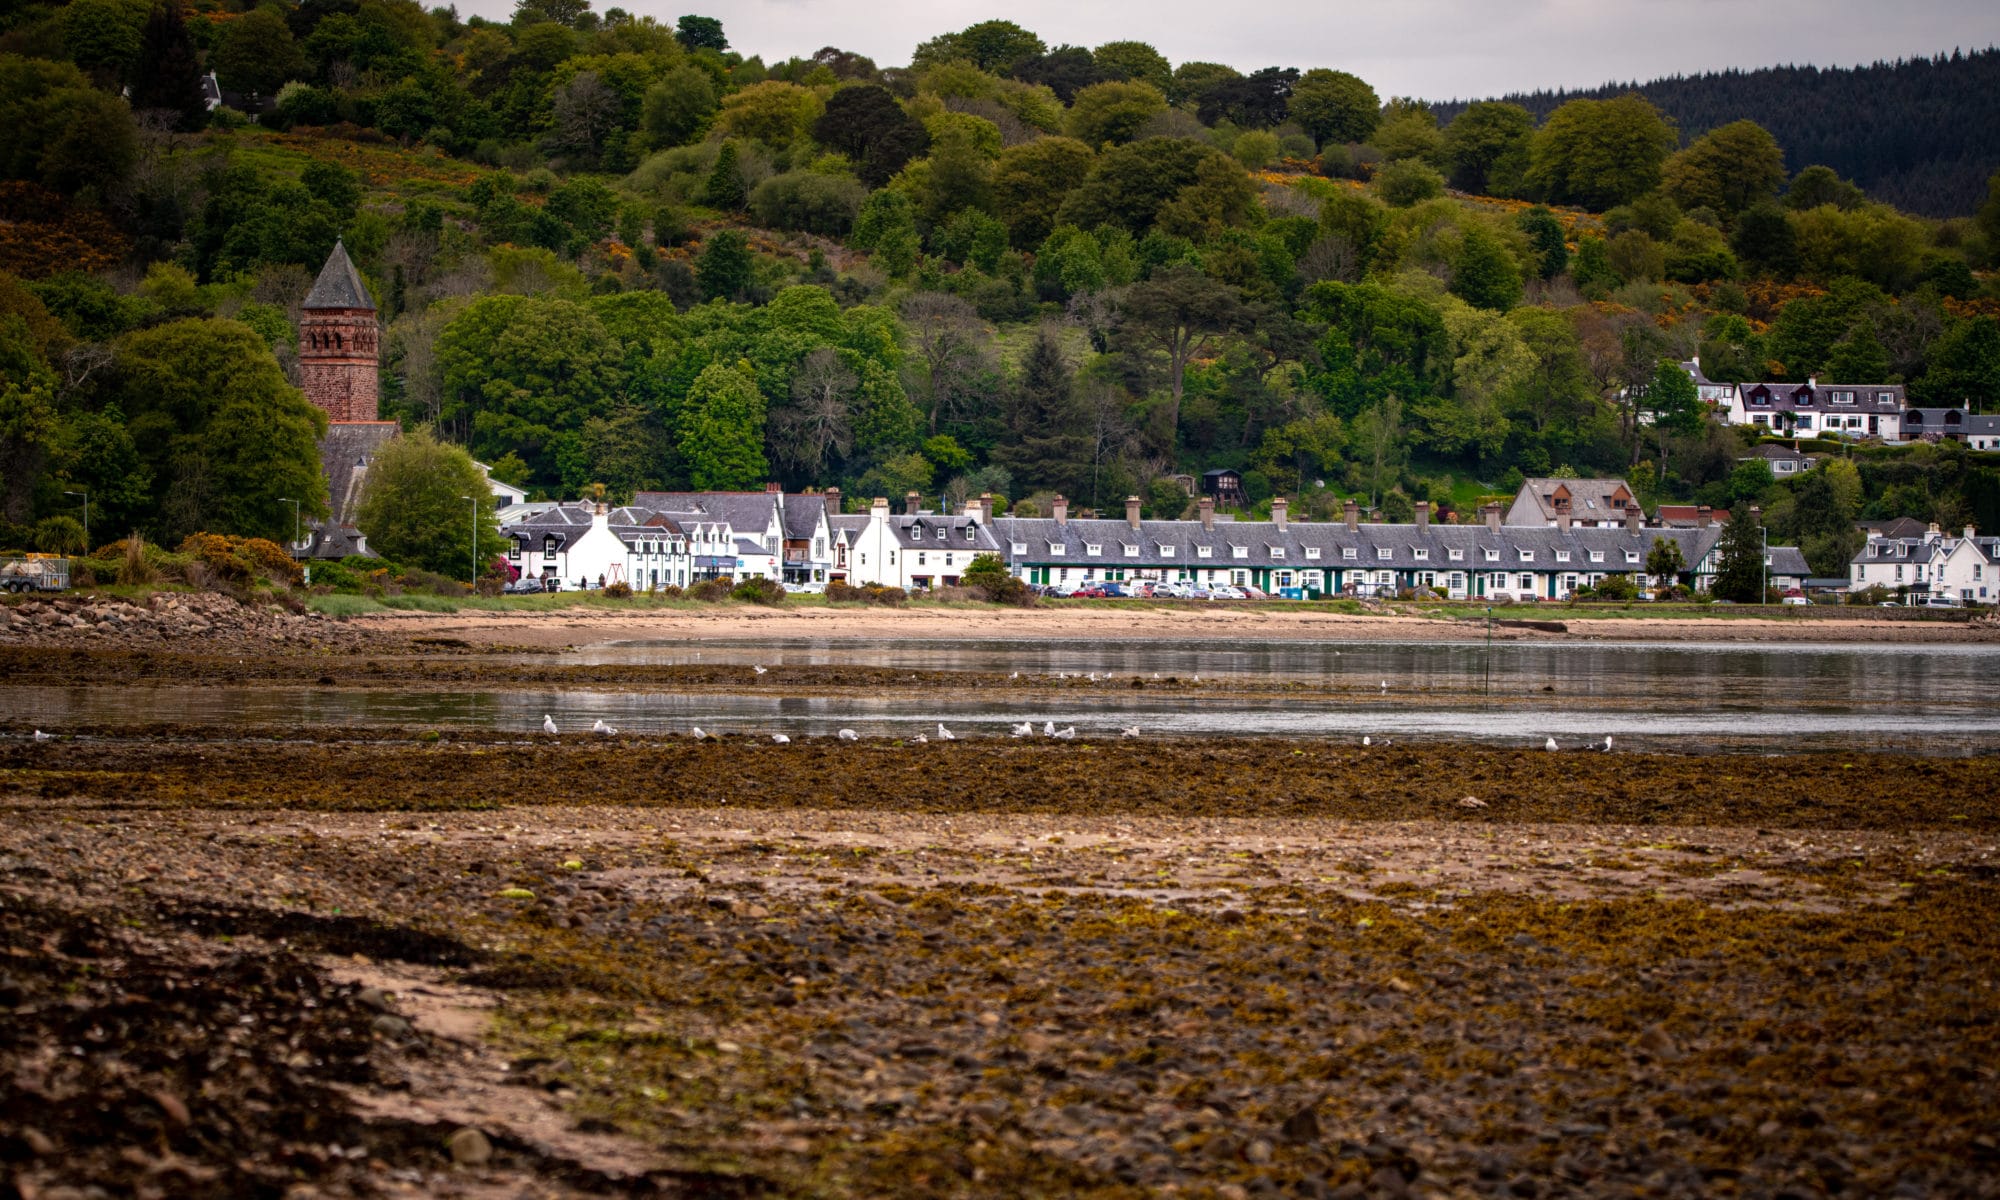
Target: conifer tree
{"type": "Point", "coordinates": [167, 74]}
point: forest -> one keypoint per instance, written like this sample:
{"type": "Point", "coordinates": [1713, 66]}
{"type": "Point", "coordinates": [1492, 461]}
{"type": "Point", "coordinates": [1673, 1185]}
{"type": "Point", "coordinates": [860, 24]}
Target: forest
{"type": "Point", "coordinates": [615, 253]}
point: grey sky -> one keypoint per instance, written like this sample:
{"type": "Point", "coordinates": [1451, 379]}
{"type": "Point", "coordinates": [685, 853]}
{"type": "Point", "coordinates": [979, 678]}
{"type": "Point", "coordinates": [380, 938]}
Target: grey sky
{"type": "Point", "coordinates": [1436, 49]}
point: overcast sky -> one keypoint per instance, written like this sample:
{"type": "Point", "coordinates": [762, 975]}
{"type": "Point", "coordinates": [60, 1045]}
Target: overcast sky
{"type": "Point", "coordinates": [1434, 49]}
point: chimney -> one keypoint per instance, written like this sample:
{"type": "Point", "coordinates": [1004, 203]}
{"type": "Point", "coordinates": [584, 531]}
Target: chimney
{"type": "Point", "coordinates": [774, 488]}
{"type": "Point", "coordinates": [1970, 533]}
{"type": "Point", "coordinates": [833, 502]}
{"type": "Point", "coordinates": [911, 503]}
{"type": "Point", "coordinates": [1632, 515]}
{"type": "Point", "coordinates": [880, 509]}
{"type": "Point", "coordinates": [1930, 535]}
{"type": "Point", "coordinates": [1492, 515]}
{"type": "Point", "coordinates": [1353, 516]}
{"type": "Point", "coordinates": [986, 508]}
{"type": "Point", "coordinates": [1132, 511]}
{"type": "Point", "coordinates": [1280, 509]}
{"type": "Point", "coordinates": [1059, 509]}
{"type": "Point", "coordinates": [1207, 506]}
{"type": "Point", "coordinates": [1562, 519]}
{"type": "Point", "coordinates": [1757, 516]}
{"type": "Point", "coordinates": [1423, 514]}
{"type": "Point", "coordinates": [1704, 516]}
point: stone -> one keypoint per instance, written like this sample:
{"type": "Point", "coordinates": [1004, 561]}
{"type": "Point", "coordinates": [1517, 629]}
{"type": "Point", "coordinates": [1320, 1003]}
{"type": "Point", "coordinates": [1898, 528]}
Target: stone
{"type": "Point", "coordinates": [469, 1148]}
{"type": "Point", "coordinates": [390, 1026]}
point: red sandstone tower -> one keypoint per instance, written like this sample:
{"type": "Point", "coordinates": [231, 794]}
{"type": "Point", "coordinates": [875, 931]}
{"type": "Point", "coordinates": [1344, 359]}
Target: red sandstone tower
{"type": "Point", "coordinates": [339, 346]}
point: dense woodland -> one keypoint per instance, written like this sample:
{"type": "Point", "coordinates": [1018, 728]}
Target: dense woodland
{"type": "Point", "coordinates": [615, 253]}
{"type": "Point", "coordinates": [1922, 133]}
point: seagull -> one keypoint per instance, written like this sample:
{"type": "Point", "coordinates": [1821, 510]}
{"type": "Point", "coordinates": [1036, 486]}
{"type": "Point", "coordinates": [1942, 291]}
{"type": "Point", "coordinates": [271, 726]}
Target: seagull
{"type": "Point", "coordinates": [945, 735]}
{"type": "Point", "coordinates": [1472, 802]}
{"type": "Point", "coordinates": [44, 737]}
{"type": "Point", "coordinates": [1550, 744]}
{"type": "Point", "coordinates": [549, 724]}
{"type": "Point", "coordinates": [1385, 685]}
{"type": "Point", "coordinates": [759, 670]}
{"type": "Point", "coordinates": [781, 739]}
{"type": "Point", "coordinates": [1048, 728]}
{"type": "Point", "coordinates": [920, 740]}
{"type": "Point", "coordinates": [1093, 677]}
{"type": "Point", "coordinates": [1131, 732]}
{"type": "Point", "coordinates": [1366, 740]}
{"type": "Point", "coordinates": [1065, 733]}
{"type": "Point", "coordinates": [848, 735]}
{"type": "Point", "coordinates": [696, 733]}
{"type": "Point", "coordinates": [1197, 679]}
{"type": "Point", "coordinates": [1607, 743]}
{"type": "Point", "coordinates": [599, 726]}
{"type": "Point", "coordinates": [1015, 675]}
{"type": "Point", "coordinates": [1024, 729]}
{"type": "Point", "coordinates": [1156, 674]}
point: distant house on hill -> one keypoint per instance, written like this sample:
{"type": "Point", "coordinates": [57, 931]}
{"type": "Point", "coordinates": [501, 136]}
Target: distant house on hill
{"type": "Point", "coordinates": [1784, 461]}
{"type": "Point", "coordinates": [1224, 486]}
{"type": "Point", "coordinates": [1562, 503]}
{"type": "Point", "coordinates": [1812, 408]}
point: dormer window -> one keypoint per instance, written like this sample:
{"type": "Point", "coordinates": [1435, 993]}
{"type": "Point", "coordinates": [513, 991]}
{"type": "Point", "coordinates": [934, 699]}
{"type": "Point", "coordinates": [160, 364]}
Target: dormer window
{"type": "Point", "coordinates": [1020, 547]}
{"type": "Point", "coordinates": [1277, 552]}
{"type": "Point", "coordinates": [1421, 554]}
{"type": "Point", "coordinates": [1631, 556]}
{"type": "Point", "coordinates": [1527, 556]}
{"type": "Point", "coordinates": [1384, 553]}
{"type": "Point", "coordinates": [1312, 552]}
{"type": "Point", "coordinates": [1455, 554]}
{"type": "Point", "coordinates": [1204, 552]}
{"type": "Point", "coordinates": [1562, 556]}
{"type": "Point", "coordinates": [1131, 551]}
{"type": "Point", "coordinates": [971, 532]}
{"type": "Point", "coordinates": [916, 532]}
{"type": "Point", "coordinates": [1597, 556]}
{"type": "Point", "coordinates": [1093, 548]}
{"type": "Point", "coordinates": [1239, 552]}
{"type": "Point", "coordinates": [1349, 553]}
{"type": "Point", "coordinates": [1058, 548]}
{"type": "Point", "coordinates": [1492, 556]}
{"type": "Point", "coordinates": [1166, 551]}
{"type": "Point", "coordinates": [549, 545]}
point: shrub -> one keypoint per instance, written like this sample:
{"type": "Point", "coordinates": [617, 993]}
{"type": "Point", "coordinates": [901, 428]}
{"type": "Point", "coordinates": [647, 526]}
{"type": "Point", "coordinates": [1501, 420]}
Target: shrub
{"type": "Point", "coordinates": [760, 591]}
{"type": "Point", "coordinates": [671, 591]}
{"type": "Point", "coordinates": [135, 568]}
{"type": "Point", "coordinates": [618, 591]}
{"type": "Point", "coordinates": [841, 592]}
{"type": "Point", "coordinates": [709, 591]}
{"type": "Point", "coordinates": [416, 579]}
{"type": "Point", "coordinates": [240, 560]}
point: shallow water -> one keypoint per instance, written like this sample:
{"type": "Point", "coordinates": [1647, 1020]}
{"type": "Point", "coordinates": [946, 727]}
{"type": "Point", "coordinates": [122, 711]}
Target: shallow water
{"type": "Point", "coordinates": [1923, 699]}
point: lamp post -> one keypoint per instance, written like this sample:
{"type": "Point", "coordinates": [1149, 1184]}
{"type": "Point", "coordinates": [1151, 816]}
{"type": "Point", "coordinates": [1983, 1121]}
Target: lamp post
{"type": "Point", "coordinates": [1764, 560]}
{"type": "Point", "coordinates": [295, 522]}
{"type": "Point", "coordinates": [474, 581]}
{"type": "Point", "coordinates": [86, 517]}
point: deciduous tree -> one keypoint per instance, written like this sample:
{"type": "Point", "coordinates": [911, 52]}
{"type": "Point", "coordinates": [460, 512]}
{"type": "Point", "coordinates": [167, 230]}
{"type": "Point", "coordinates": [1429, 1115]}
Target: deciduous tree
{"type": "Point", "coordinates": [415, 509]}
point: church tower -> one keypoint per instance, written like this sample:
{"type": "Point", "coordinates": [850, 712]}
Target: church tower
{"type": "Point", "coordinates": [339, 344]}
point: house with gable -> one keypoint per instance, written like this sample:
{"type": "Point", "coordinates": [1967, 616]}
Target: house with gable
{"type": "Point", "coordinates": [1821, 410]}
{"type": "Point", "coordinates": [1931, 564]}
{"type": "Point", "coordinates": [917, 548]}
{"type": "Point", "coordinates": [1566, 503]}
{"type": "Point", "coordinates": [790, 529]}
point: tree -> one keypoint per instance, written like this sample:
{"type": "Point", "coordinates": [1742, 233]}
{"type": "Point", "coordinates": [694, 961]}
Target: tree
{"type": "Point", "coordinates": [865, 123]}
{"type": "Point", "coordinates": [1483, 272]}
{"type": "Point", "coordinates": [1818, 187]}
{"type": "Point", "coordinates": [817, 427]}
{"type": "Point", "coordinates": [1675, 406]}
{"type": "Point", "coordinates": [773, 112]}
{"type": "Point", "coordinates": [166, 77]}
{"type": "Point", "coordinates": [59, 130]}
{"type": "Point", "coordinates": [1600, 153]}
{"type": "Point", "coordinates": [1259, 100]}
{"type": "Point", "coordinates": [415, 509]}
{"type": "Point", "coordinates": [1486, 147]}
{"type": "Point", "coordinates": [700, 33]}
{"type": "Point", "coordinates": [224, 435]}
{"type": "Point", "coordinates": [522, 374]}
{"type": "Point", "coordinates": [887, 225]}
{"type": "Point", "coordinates": [1334, 106]}
{"type": "Point", "coordinates": [1409, 130]}
{"type": "Point", "coordinates": [1664, 561]}
{"type": "Point", "coordinates": [724, 188]}
{"type": "Point", "coordinates": [1178, 313]}
{"type": "Point", "coordinates": [950, 344]}
{"type": "Point", "coordinates": [1135, 61]}
{"type": "Point", "coordinates": [102, 36]}
{"type": "Point", "coordinates": [1030, 182]}
{"type": "Point", "coordinates": [722, 434]}
{"type": "Point", "coordinates": [1160, 180]}
{"type": "Point", "coordinates": [1765, 242]}
{"type": "Point", "coordinates": [1065, 70]}
{"type": "Point", "coordinates": [1727, 169]}
{"type": "Point", "coordinates": [1112, 113]}
{"type": "Point", "coordinates": [1740, 575]}
{"type": "Point", "coordinates": [1964, 365]}
{"type": "Point", "coordinates": [257, 53]}
{"type": "Point", "coordinates": [1408, 182]}
{"type": "Point", "coordinates": [995, 46]}
{"type": "Point", "coordinates": [28, 413]}
{"type": "Point", "coordinates": [678, 107]}
{"type": "Point", "coordinates": [1046, 443]}
{"type": "Point", "coordinates": [1545, 233]}
{"type": "Point", "coordinates": [723, 270]}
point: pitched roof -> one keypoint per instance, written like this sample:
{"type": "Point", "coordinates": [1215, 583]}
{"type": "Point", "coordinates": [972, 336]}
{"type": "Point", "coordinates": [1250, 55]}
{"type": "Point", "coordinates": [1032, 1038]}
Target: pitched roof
{"type": "Point", "coordinates": [802, 512]}
{"type": "Point", "coordinates": [1881, 397]}
{"type": "Point", "coordinates": [1589, 499]}
{"type": "Point", "coordinates": [1897, 527]}
{"type": "Point", "coordinates": [1770, 452]}
{"type": "Point", "coordinates": [339, 284]}
{"type": "Point", "coordinates": [344, 454]}
{"type": "Point", "coordinates": [1787, 560]}
{"type": "Point", "coordinates": [746, 512]}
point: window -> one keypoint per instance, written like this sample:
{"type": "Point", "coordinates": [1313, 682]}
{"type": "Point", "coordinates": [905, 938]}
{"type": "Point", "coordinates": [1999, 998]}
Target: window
{"type": "Point", "coordinates": [1166, 551]}
{"type": "Point", "coordinates": [1131, 551]}
{"type": "Point", "coordinates": [1349, 553]}
{"type": "Point", "coordinates": [549, 544]}
{"type": "Point", "coordinates": [916, 532]}
{"type": "Point", "coordinates": [1058, 548]}
{"type": "Point", "coordinates": [1562, 556]}
{"type": "Point", "coordinates": [1020, 547]}
{"type": "Point", "coordinates": [1239, 552]}
{"type": "Point", "coordinates": [1312, 552]}
{"type": "Point", "coordinates": [971, 532]}
{"type": "Point", "coordinates": [1527, 556]}
{"type": "Point", "coordinates": [1885, 397]}
{"type": "Point", "coordinates": [1631, 556]}
{"type": "Point", "coordinates": [1840, 398]}
{"type": "Point", "coordinates": [516, 547]}
{"type": "Point", "coordinates": [1204, 552]}
{"type": "Point", "coordinates": [1597, 556]}
{"type": "Point", "coordinates": [1492, 555]}
{"type": "Point", "coordinates": [1277, 552]}
{"type": "Point", "coordinates": [1239, 578]}
{"type": "Point", "coordinates": [1384, 552]}
{"type": "Point", "coordinates": [922, 558]}
{"type": "Point", "coordinates": [1422, 554]}
{"type": "Point", "coordinates": [1527, 583]}
{"type": "Point", "coordinates": [1455, 554]}
{"type": "Point", "coordinates": [1093, 548]}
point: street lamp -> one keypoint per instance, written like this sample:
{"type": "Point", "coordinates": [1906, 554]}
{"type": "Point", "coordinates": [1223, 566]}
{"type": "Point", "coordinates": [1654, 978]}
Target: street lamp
{"type": "Point", "coordinates": [295, 522]}
{"type": "Point", "coordinates": [475, 540]}
{"type": "Point", "coordinates": [86, 517]}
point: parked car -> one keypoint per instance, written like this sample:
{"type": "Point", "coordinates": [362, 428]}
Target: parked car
{"type": "Point", "coordinates": [1226, 592]}
{"type": "Point", "coordinates": [526, 585]}
{"type": "Point", "coordinates": [1252, 593]}
{"type": "Point", "coordinates": [1943, 602]}
{"type": "Point", "coordinates": [805, 589]}
{"type": "Point", "coordinates": [1798, 601]}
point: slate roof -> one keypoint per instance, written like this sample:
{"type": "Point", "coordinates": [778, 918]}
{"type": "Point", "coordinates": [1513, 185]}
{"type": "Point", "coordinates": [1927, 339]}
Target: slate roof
{"type": "Point", "coordinates": [940, 531]}
{"type": "Point", "coordinates": [1898, 527]}
{"type": "Point", "coordinates": [1169, 544]}
{"type": "Point", "coordinates": [1982, 425]}
{"type": "Point", "coordinates": [1787, 560]}
{"type": "Point", "coordinates": [569, 522]}
{"type": "Point", "coordinates": [339, 284]}
{"type": "Point", "coordinates": [1590, 499]}
{"type": "Point", "coordinates": [1771, 453]}
{"type": "Point", "coordinates": [344, 455]}
{"type": "Point", "coordinates": [1819, 397]}
{"type": "Point", "coordinates": [746, 512]}
{"type": "Point", "coordinates": [801, 511]}
{"type": "Point", "coordinates": [1934, 420]}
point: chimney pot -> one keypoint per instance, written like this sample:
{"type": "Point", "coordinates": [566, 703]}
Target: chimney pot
{"type": "Point", "coordinates": [910, 503]}
{"type": "Point", "coordinates": [774, 488]}
{"type": "Point", "coordinates": [1704, 516]}
{"type": "Point", "coordinates": [1423, 514]}
{"type": "Point", "coordinates": [1492, 514]}
{"type": "Point", "coordinates": [1132, 511]}
{"type": "Point", "coordinates": [1207, 507]}
{"type": "Point", "coordinates": [833, 502]}
{"type": "Point", "coordinates": [1633, 513]}
{"type": "Point", "coordinates": [1059, 508]}
{"type": "Point", "coordinates": [1353, 515]}
{"type": "Point", "coordinates": [1280, 510]}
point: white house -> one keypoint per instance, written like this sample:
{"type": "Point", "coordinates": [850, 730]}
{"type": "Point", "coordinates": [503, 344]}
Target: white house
{"type": "Point", "coordinates": [1965, 568]}
{"type": "Point", "coordinates": [918, 548]}
{"type": "Point", "coordinates": [792, 528]}
{"type": "Point", "coordinates": [1821, 410]}
{"type": "Point", "coordinates": [1562, 503]}
{"type": "Point", "coordinates": [591, 545]}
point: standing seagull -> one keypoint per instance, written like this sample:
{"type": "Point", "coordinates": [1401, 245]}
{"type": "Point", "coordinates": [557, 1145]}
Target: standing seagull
{"type": "Point", "coordinates": [1366, 740]}
{"type": "Point", "coordinates": [549, 724]}
{"type": "Point", "coordinates": [1048, 728]}
{"type": "Point", "coordinates": [44, 737]}
{"type": "Point", "coordinates": [1550, 744]}
{"type": "Point", "coordinates": [599, 726]}
{"type": "Point", "coordinates": [696, 733]}
{"type": "Point", "coordinates": [1131, 732]}
{"type": "Point", "coordinates": [945, 735]}
{"type": "Point", "coordinates": [1607, 743]}
{"type": "Point", "coordinates": [1385, 685]}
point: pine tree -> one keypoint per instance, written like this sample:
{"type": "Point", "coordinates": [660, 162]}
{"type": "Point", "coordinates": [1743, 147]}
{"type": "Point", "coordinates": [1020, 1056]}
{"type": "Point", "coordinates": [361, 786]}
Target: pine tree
{"type": "Point", "coordinates": [1047, 446]}
{"type": "Point", "coordinates": [1741, 577]}
{"type": "Point", "coordinates": [168, 74]}
{"type": "Point", "coordinates": [725, 182]}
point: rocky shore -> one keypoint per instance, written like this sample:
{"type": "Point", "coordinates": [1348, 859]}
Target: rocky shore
{"type": "Point", "coordinates": [209, 620]}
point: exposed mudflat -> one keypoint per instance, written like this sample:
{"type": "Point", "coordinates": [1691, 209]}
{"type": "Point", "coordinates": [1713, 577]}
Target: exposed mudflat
{"type": "Point", "coordinates": [357, 962]}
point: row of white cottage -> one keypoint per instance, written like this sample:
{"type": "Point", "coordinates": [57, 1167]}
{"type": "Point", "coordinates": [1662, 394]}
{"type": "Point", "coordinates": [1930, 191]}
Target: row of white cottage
{"type": "Point", "coordinates": [1965, 569]}
{"type": "Point", "coordinates": [677, 539]}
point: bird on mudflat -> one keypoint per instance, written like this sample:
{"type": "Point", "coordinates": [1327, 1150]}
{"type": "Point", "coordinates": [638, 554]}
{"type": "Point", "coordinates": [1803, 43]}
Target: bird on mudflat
{"type": "Point", "coordinates": [759, 670]}
{"type": "Point", "coordinates": [697, 733]}
{"type": "Point", "coordinates": [1366, 740]}
{"type": "Point", "coordinates": [848, 735]}
{"type": "Point", "coordinates": [781, 739]}
{"type": "Point", "coordinates": [598, 726]}
{"type": "Point", "coordinates": [44, 737]}
{"type": "Point", "coordinates": [1132, 731]}
{"type": "Point", "coordinates": [1385, 685]}
{"type": "Point", "coordinates": [1093, 677]}
{"type": "Point", "coordinates": [920, 740]}
{"type": "Point", "coordinates": [945, 735]}
{"type": "Point", "coordinates": [549, 724]}
{"type": "Point", "coordinates": [1015, 675]}
{"type": "Point", "coordinates": [1197, 679]}
{"type": "Point", "coordinates": [1065, 733]}
{"type": "Point", "coordinates": [1023, 729]}
{"type": "Point", "coordinates": [1550, 745]}
{"type": "Point", "coordinates": [1607, 744]}
{"type": "Point", "coordinates": [1048, 728]}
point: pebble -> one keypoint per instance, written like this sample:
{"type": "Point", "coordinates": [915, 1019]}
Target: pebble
{"type": "Point", "coordinates": [469, 1148]}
